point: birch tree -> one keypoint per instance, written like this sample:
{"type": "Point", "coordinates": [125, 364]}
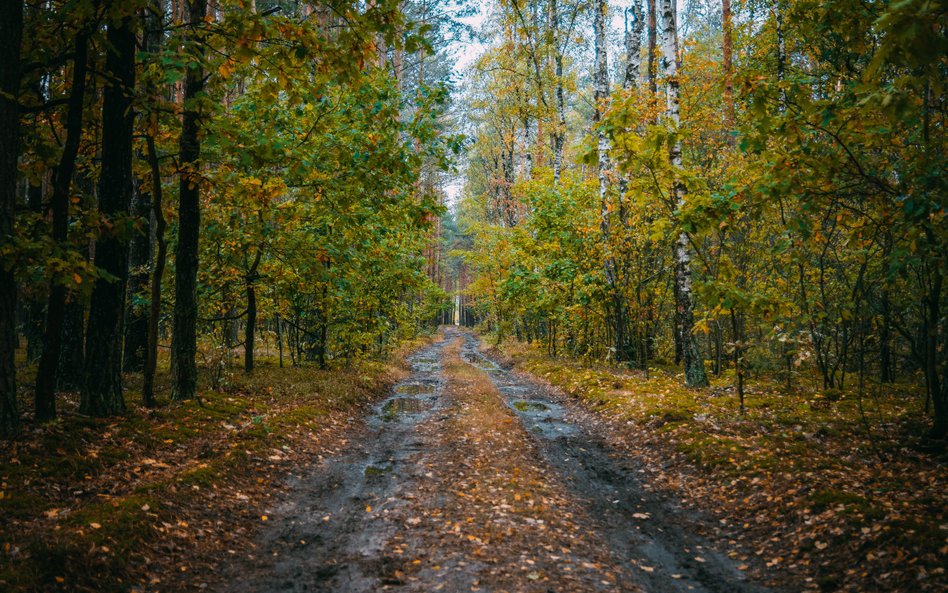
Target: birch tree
{"type": "Point", "coordinates": [695, 375]}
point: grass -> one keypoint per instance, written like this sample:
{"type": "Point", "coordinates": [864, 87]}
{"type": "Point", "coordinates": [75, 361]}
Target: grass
{"type": "Point", "coordinates": [93, 504]}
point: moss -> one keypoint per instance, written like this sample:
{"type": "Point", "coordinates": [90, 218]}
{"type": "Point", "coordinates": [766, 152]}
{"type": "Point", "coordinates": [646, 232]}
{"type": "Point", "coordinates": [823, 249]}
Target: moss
{"type": "Point", "coordinates": [706, 451]}
{"type": "Point", "coordinates": [305, 415]}
{"type": "Point", "coordinates": [824, 499]}
{"type": "Point", "coordinates": [204, 476]}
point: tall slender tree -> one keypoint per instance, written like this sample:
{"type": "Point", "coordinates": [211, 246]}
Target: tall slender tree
{"type": "Point", "coordinates": [728, 63]}
{"type": "Point", "coordinates": [11, 31]}
{"type": "Point", "coordinates": [695, 375]}
{"type": "Point", "coordinates": [652, 46]}
{"type": "Point", "coordinates": [102, 388]}
{"type": "Point", "coordinates": [47, 371]}
{"type": "Point", "coordinates": [184, 336]}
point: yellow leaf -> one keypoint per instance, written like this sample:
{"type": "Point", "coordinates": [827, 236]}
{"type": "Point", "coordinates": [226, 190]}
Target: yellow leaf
{"type": "Point", "coordinates": [263, 517]}
{"type": "Point", "coordinates": [368, 508]}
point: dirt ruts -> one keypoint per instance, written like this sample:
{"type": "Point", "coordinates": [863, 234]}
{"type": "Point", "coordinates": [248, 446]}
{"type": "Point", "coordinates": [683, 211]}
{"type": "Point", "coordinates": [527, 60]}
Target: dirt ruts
{"type": "Point", "coordinates": [477, 478]}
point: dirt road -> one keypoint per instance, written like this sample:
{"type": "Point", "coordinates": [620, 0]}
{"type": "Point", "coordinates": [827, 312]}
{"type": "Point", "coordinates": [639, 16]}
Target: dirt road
{"type": "Point", "coordinates": [472, 477]}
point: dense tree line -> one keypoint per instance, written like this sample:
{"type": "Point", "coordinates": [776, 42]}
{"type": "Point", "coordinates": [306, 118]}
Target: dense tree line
{"type": "Point", "coordinates": [756, 188]}
{"type": "Point", "coordinates": [192, 170]}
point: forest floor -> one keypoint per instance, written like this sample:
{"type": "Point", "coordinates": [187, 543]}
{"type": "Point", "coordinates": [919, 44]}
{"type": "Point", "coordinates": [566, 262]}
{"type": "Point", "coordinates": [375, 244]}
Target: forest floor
{"type": "Point", "coordinates": [154, 500]}
{"type": "Point", "coordinates": [458, 471]}
{"type": "Point", "coordinates": [828, 491]}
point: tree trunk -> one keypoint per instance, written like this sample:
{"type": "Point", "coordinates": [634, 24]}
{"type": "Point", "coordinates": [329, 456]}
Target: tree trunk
{"type": "Point", "coordinates": [102, 391]}
{"type": "Point", "coordinates": [136, 326]}
{"type": "Point", "coordinates": [161, 256]}
{"type": "Point", "coordinates": [652, 44]}
{"type": "Point", "coordinates": [152, 44]}
{"type": "Point", "coordinates": [601, 95]}
{"type": "Point", "coordinates": [251, 326]}
{"type": "Point", "coordinates": [633, 46]}
{"type": "Point", "coordinates": [694, 364]}
{"type": "Point", "coordinates": [729, 119]}
{"type": "Point", "coordinates": [937, 391]}
{"type": "Point", "coordinates": [47, 371]}
{"type": "Point", "coordinates": [559, 135]}
{"type": "Point", "coordinates": [184, 337]}
{"type": "Point", "coordinates": [11, 31]}
{"type": "Point", "coordinates": [34, 328]}
{"type": "Point", "coordinates": [781, 58]}
{"type": "Point", "coordinates": [69, 374]}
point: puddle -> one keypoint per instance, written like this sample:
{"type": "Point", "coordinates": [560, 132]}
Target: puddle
{"type": "Point", "coordinates": [543, 418]}
{"type": "Point", "coordinates": [414, 389]}
{"type": "Point", "coordinates": [395, 407]}
{"type": "Point", "coordinates": [480, 361]}
{"type": "Point", "coordinates": [528, 406]}
{"type": "Point", "coordinates": [377, 470]}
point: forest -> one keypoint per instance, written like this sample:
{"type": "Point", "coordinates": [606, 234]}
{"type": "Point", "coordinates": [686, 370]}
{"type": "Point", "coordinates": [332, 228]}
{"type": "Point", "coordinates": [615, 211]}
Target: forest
{"type": "Point", "coordinates": [393, 261]}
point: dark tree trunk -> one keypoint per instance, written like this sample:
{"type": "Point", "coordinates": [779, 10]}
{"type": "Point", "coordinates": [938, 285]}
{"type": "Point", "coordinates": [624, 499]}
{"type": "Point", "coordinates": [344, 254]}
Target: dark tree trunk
{"type": "Point", "coordinates": [152, 44]}
{"type": "Point", "coordinates": [885, 340]}
{"type": "Point", "coordinates": [184, 337]}
{"type": "Point", "coordinates": [72, 353]}
{"type": "Point", "coordinates": [136, 326]}
{"type": "Point", "coordinates": [937, 392]}
{"type": "Point", "coordinates": [45, 396]}
{"type": "Point", "coordinates": [102, 390]}
{"type": "Point", "coordinates": [36, 314]}
{"type": "Point", "coordinates": [154, 306]}
{"type": "Point", "coordinates": [11, 30]}
{"type": "Point", "coordinates": [322, 336]}
{"type": "Point", "coordinates": [251, 326]}
{"type": "Point", "coordinates": [279, 330]}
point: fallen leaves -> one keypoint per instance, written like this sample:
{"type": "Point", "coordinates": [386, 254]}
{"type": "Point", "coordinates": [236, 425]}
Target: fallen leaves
{"type": "Point", "coordinates": [95, 484]}
{"type": "Point", "coordinates": [798, 483]}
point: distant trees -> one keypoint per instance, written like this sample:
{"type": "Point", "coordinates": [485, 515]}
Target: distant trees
{"type": "Point", "coordinates": [796, 165]}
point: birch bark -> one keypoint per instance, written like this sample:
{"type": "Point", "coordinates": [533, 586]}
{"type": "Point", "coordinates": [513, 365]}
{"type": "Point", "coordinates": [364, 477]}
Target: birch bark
{"type": "Point", "coordinates": [695, 375]}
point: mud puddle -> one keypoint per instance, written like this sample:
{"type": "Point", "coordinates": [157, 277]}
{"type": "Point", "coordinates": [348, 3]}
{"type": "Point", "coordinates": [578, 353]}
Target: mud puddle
{"type": "Point", "coordinates": [329, 532]}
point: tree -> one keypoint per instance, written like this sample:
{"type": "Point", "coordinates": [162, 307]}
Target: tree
{"type": "Point", "coordinates": [102, 390]}
{"type": "Point", "coordinates": [184, 337]}
{"type": "Point", "coordinates": [11, 29]}
{"type": "Point", "coordinates": [694, 363]}
{"type": "Point", "coordinates": [44, 395]}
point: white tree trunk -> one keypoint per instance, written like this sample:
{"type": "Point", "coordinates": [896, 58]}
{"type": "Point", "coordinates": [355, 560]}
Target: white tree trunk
{"type": "Point", "coordinates": [781, 58]}
{"type": "Point", "coordinates": [527, 148]}
{"type": "Point", "coordinates": [633, 45]}
{"type": "Point", "coordinates": [727, 55]}
{"type": "Point", "coordinates": [601, 95]}
{"type": "Point", "coordinates": [559, 134]}
{"type": "Point", "coordinates": [694, 365]}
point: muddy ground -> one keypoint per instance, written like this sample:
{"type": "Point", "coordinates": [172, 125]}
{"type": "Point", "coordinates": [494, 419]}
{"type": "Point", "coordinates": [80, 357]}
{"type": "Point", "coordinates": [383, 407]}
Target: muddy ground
{"type": "Point", "coordinates": [473, 477]}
